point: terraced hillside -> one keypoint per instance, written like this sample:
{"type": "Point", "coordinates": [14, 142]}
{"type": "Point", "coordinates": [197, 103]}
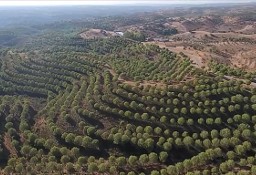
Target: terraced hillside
{"type": "Point", "coordinates": [115, 106]}
{"type": "Point", "coordinates": [109, 95]}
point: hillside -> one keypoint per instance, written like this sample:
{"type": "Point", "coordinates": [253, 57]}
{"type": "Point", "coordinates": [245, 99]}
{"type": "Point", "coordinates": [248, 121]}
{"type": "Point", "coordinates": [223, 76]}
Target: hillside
{"type": "Point", "coordinates": [76, 97]}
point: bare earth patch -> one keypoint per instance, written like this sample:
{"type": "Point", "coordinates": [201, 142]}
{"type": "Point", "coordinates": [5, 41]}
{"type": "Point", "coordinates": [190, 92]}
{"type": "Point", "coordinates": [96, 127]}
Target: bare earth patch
{"type": "Point", "coordinates": [97, 33]}
{"type": "Point", "coordinates": [9, 146]}
{"type": "Point", "coordinates": [232, 48]}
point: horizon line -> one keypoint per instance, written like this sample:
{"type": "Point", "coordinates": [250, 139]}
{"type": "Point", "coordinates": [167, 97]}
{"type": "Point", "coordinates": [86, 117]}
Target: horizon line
{"type": "Point", "coordinates": [110, 2]}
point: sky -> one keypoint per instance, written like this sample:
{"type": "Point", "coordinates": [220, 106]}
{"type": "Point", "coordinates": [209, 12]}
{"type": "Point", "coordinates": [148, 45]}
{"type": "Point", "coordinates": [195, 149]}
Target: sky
{"type": "Point", "coordinates": [110, 2]}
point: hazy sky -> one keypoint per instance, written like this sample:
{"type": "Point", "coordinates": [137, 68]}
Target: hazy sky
{"type": "Point", "coordinates": [111, 2]}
